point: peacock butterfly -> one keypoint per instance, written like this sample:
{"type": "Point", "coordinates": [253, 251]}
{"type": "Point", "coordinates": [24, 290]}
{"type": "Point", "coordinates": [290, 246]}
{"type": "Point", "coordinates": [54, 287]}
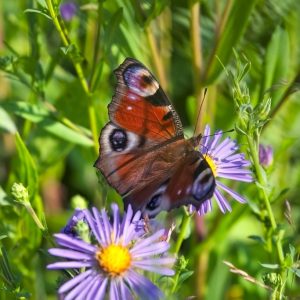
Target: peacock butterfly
{"type": "Point", "coordinates": [143, 152]}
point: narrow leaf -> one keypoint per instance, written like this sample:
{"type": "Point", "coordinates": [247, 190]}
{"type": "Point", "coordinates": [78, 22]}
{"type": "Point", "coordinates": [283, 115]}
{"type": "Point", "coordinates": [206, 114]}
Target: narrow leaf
{"type": "Point", "coordinates": [6, 123]}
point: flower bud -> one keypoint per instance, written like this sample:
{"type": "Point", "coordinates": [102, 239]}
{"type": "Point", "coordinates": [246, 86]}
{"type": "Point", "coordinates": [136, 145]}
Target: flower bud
{"type": "Point", "coordinates": [263, 109]}
{"type": "Point", "coordinates": [20, 192]}
{"type": "Point", "coordinates": [78, 201]}
{"type": "Point", "coordinates": [272, 279]}
{"type": "Point", "coordinates": [68, 10]}
{"type": "Point", "coordinates": [265, 155]}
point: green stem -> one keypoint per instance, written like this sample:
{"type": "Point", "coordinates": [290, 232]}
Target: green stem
{"type": "Point", "coordinates": [184, 226]}
{"type": "Point", "coordinates": [158, 63]}
{"type": "Point", "coordinates": [34, 216]}
{"type": "Point", "coordinates": [67, 43]}
{"type": "Point", "coordinates": [279, 235]}
{"type": "Point", "coordinates": [261, 181]}
{"type": "Point", "coordinates": [197, 63]}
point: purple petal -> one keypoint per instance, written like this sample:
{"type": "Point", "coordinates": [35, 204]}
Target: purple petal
{"type": "Point", "coordinates": [147, 241]}
{"type": "Point", "coordinates": [158, 261]}
{"type": "Point", "coordinates": [230, 165]}
{"type": "Point", "coordinates": [113, 291]}
{"type": "Point", "coordinates": [74, 282]}
{"type": "Point", "coordinates": [126, 222]}
{"type": "Point", "coordinates": [74, 243]}
{"type": "Point", "coordinates": [116, 222]}
{"type": "Point", "coordinates": [125, 292]}
{"type": "Point", "coordinates": [70, 254]}
{"type": "Point", "coordinates": [130, 231]}
{"type": "Point", "coordinates": [234, 195]}
{"type": "Point", "coordinates": [107, 226]}
{"type": "Point", "coordinates": [222, 202]}
{"type": "Point", "coordinates": [70, 265]}
{"type": "Point", "coordinates": [77, 290]}
{"type": "Point", "coordinates": [216, 138]}
{"type": "Point", "coordinates": [236, 156]}
{"type": "Point", "coordinates": [153, 249]}
{"type": "Point", "coordinates": [155, 269]}
{"type": "Point", "coordinates": [205, 138]}
{"type": "Point", "coordinates": [100, 226]}
{"type": "Point", "coordinates": [205, 207]}
{"type": "Point", "coordinates": [85, 290]}
{"type": "Point", "coordinates": [235, 171]}
{"type": "Point", "coordinates": [213, 141]}
{"type": "Point", "coordinates": [68, 10]}
{"type": "Point", "coordinates": [238, 177]}
{"type": "Point", "coordinates": [223, 145]}
{"type": "Point", "coordinates": [92, 224]}
{"type": "Point", "coordinates": [101, 291]}
{"type": "Point", "coordinates": [143, 287]}
{"type": "Point", "coordinates": [94, 288]}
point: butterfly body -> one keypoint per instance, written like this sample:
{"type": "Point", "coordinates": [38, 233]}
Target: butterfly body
{"type": "Point", "coordinates": [143, 153]}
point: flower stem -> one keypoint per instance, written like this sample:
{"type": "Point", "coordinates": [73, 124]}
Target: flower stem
{"type": "Point", "coordinates": [67, 43]}
{"type": "Point", "coordinates": [184, 226]}
{"type": "Point", "coordinates": [278, 235]}
{"type": "Point", "coordinates": [261, 181]}
{"type": "Point", "coordinates": [34, 216]}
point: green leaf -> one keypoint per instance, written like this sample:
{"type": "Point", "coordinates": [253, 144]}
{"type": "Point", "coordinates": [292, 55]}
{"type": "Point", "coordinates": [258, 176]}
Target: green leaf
{"type": "Point", "coordinates": [277, 64]}
{"type": "Point", "coordinates": [73, 52]}
{"type": "Point", "coordinates": [49, 122]}
{"type": "Point", "coordinates": [184, 276]}
{"type": "Point", "coordinates": [33, 113]}
{"type": "Point", "coordinates": [60, 130]}
{"type": "Point", "coordinates": [234, 27]}
{"type": "Point", "coordinates": [296, 271]}
{"type": "Point", "coordinates": [257, 238]}
{"type": "Point", "coordinates": [6, 123]}
{"type": "Point", "coordinates": [292, 250]}
{"type": "Point", "coordinates": [37, 11]}
{"type": "Point", "coordinates": [270, 266]}
{"type": "Point", "coordinates": [6, 62]}
{"type": "Point", "coordinates": [3, 198]}
{"type": "Point", "coordinates": [27, 170]}
{"type": "Point", "coordinates": [111, 28]}
{"type": "Point", "coordinates": [28, 176]}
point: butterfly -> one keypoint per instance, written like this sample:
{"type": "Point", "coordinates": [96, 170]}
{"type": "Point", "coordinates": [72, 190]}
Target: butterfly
{"type": "Point", "coordinates": [143, 153]}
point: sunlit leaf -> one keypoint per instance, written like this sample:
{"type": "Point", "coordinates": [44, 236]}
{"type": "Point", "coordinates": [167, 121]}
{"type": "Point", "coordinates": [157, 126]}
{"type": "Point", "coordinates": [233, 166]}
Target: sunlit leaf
{"type": "Point", "coordinates": [270, 266]}
{"type": "Point", "coordinates": [6, 123]}
{"type": "Point", "coordinates": [27, 171]}
{"type": "Point", "coordinates": [233, 29]}
{"type": "Point", "coordinates": [47, 121]}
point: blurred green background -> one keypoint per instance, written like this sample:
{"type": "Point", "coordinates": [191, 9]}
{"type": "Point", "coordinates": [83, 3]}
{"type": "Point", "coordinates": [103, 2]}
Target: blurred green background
{"type": "Point", "coordinates": [54, 91]}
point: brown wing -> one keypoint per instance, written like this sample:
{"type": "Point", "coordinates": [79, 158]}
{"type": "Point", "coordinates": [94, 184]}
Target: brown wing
{"type": "Point", "coordinates": [142, 121]}
{"type": "Point", "coordinates": [189, 181]}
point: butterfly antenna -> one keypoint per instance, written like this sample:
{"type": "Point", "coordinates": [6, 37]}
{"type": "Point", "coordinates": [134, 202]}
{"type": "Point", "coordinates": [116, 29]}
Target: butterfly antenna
{"type": "Point", "coordinates": [199, 111]}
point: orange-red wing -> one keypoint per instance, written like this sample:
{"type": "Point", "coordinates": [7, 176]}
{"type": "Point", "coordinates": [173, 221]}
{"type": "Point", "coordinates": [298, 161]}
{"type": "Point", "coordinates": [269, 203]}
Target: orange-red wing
{"type": "Point", "coordinates": [141, 106]}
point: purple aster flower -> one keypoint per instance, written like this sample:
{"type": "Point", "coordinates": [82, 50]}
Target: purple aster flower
{"type": "Point", "coordinates": [265, 155]}
{"type": "Point", "coordinates": [110, 265]}
{"type": "Point", "coordinates": [225, 162]}
{"type": "Point", "coordinates": [68, 10]}
{"type": "Point", "coordinates": [70, 228]}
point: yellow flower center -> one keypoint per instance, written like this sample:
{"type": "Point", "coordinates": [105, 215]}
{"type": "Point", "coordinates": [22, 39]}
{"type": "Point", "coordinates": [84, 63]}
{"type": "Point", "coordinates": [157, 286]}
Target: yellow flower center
{"type": "Point", "coordinates": [211, 163]}
{"type": "Point", "coordinates": [114, 259]}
